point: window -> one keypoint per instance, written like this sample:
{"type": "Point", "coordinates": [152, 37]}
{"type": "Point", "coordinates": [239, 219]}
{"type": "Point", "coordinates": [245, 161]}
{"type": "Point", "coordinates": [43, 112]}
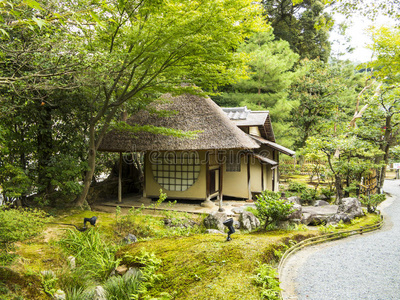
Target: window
{"type": "Point", "coordinates": [176, 171]}
{"type": "Point", "coordinates": [233, 162]}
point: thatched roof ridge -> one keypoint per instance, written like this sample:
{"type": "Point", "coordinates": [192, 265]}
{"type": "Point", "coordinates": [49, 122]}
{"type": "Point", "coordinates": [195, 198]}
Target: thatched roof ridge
{"type": "Point", "coordinates": [193, 113]}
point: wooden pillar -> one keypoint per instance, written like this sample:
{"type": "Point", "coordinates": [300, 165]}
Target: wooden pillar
{"type": "Point", "coordinates": [120, 179]}
{"type": "Point", "coordinates": [221, 171]}
{"type": "Point", "coordinates": [248, 175]}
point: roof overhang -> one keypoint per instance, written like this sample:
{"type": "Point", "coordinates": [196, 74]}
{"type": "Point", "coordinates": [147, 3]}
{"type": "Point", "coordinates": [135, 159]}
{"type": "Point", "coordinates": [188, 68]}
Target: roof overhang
{"type": "Point", "coordinates": [264, 159]}
{"type": "Point", "coordinates": [273, 145]}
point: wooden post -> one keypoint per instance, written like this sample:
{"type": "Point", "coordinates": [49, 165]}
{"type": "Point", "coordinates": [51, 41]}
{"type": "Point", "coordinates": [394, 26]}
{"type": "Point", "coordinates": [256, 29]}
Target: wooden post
{"type": "Point", "coordinates": [248, 176]}
{"type": "Point", "coordinates": [221, 170]}
{"type": "Point", "coordinates": [120, 179]}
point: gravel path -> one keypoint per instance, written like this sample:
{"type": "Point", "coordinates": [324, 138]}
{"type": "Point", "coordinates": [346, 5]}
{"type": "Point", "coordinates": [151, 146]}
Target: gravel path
{"type": "Point", "coordinates": [364, 267]}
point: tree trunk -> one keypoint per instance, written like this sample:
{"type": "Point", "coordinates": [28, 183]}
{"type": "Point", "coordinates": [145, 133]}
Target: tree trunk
{"type": "Point", "coordinates": [91, 165]}
{"type": "Point", "coordinates": [339, 189]}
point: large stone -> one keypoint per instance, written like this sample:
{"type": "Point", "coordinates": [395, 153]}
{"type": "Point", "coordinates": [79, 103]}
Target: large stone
{"type": "Point", "coordinates": [130, 239]}
{"type": "Point", "coordinates": [238, 210]}
{"type": "Point", "coordinates": [99, 293]}
{"type": "Point", "coordinates": [316, 215]}
{"type": "Point", "coordinates": [297, 211]}
{"type": "Point", "coordinates": [321, 203]}
{"type": "Point", "coordinates": [215, 221]}
{"type": "Point", "coordinates": [351, 207]}
{"type": "Point", "coordinates": [335, 219]}
{"type": "Point", "coordinates": [294, 199]}
{"type": "Point", "coordinates": [248, 221]}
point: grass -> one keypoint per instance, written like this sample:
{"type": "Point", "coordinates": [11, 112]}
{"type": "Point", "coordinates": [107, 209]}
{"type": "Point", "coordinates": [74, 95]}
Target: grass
{"type": "Point", "coordinates": [193, 266]}
{"type": "Point", "coordinates": [208, 267]}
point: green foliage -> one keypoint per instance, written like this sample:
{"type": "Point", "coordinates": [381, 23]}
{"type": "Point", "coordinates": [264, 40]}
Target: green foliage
{"type": "Point", "coordinates": [304, 24]}
{"type": "Point", "coordinates": [49, 281]}
{"type": "Point", "coordinates": [14, 182]}
{"type": "Point", "coordinates": [308, 196]}
{"type": "Point", "coordinates": [297, 187]}
{"type": "Point", "coordinates": [20, 224]}
{"type": "Point", "coordinates": [92, 252]}
{"type": "Point", "coordinates": [126, 287]}
{"type": "Point", "coordinates": [267, 279]}
{"type": "Point", "coordinates": [271, 208]}
{"type": "Point", "coordinates": [372, 201]}
{"type": "Point", "coordinates": [327, 192]}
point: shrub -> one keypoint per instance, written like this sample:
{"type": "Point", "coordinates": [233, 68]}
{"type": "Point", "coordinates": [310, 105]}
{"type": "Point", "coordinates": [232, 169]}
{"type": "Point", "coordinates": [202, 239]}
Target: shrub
{"type": "Point", "coordinates": [18, 225]}
{"type": "Point", "coordinates": [271, 208]}
{"type": "Point", "coordinates": [308, 195]}
{"type": "Point", "coordinates": [328, 193]}
{"type": "Point", "coordinates": [372, 201]}
{"type": "Point", "coordinates": [267, 279]}
{"type": "Point", "coordinates": [297, 187]}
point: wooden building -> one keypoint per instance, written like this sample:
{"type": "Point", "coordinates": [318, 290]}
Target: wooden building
{"type": "Point", "coordinates": [234, 153]}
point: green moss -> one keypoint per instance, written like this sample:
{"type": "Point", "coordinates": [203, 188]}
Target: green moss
{"type": "Point", "coordinates": [208, 267]}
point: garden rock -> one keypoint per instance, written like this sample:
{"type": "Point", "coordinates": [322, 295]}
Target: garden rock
{"type": "Point", "coordinates": [59, 295]}
{"type": "Point", "coordinates": [71, 262]}
{"type": "Point", "coordinates": [181, 223]}
{"type": "Point", "coordinates": [238, 210]}
{"type": "Point", "coordinates": [316, 215]}
{"type": "Point", "coordinates": [351, 207]}
{"type": "Point", "coordinates": [215, 221]}
{"type": "Point", "coordinates": [296, 214]}
{"type": "Point", "coordinates": [323, 197]}
{"type": "Point", "coordinates": [335, 219]}
{"type": "Point", "coordinates": [121, 270]}
{"type": "Point", "coordinates": [321, 203]}
{"type": "Point", "coordinates": [248, 221]}
{"type": "Point", "coordinates": [130, 239]}
{"type": "Point", "coordinates": [99, 293]}
{"type": "Point", "coordinates": [294, 199]}
{"type": "Point", "coordinates": [213, 231]}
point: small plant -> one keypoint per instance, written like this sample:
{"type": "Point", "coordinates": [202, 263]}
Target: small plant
{"type": "Point", "coordinates": [271, 208]}
{"type": "Point", "coordinates": [92, 252]}
{"type": "Point", "coordinates": [296, 187]}
{"type": "Point", "coordinates": [49, 281]}
{"type": "Point", "coordinates": [267, 279]}
{"type": "Point", "coordinates": [308, 196]}
{"type": "Point", "coordinates": [328, 193]}
{"type": "Point", "coordinates": [126, 287]}
{"type": "Point", "coordinates": [372, 201]}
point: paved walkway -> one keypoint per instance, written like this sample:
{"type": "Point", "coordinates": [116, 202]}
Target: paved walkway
{"type": "Point", "coordinates": [363, 267]}
{"type": "Point", "coordinates": [188, 206]}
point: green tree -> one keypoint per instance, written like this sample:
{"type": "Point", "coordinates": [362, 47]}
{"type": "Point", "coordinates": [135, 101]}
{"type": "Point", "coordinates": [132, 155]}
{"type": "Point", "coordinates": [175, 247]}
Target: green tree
{"type": "Point", "coordinates": [325, 93]}
{"type": "Point", "coordinates": [349, 159]}
{"type": "Point", "coordinates": [304, 24]}
{"type": "Point", "coordinates": [270, 73]}
{"type": "Point", "coordinates": [141, 48]}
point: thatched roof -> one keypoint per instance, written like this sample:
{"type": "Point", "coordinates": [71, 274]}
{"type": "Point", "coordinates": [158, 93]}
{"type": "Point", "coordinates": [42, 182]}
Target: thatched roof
{"type": "Point", "coordinates": [193, 113]}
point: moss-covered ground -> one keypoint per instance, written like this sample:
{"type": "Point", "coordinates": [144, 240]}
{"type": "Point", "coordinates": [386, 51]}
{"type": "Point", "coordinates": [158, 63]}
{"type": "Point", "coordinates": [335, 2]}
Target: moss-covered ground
{"type": "Point", "coordinates": [194, 265]}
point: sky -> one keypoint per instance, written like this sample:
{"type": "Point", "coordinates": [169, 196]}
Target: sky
{"type": "Point", "coordinates": [357, 31]}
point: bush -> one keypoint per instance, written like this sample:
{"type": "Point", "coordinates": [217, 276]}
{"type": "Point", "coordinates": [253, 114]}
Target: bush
{"type": "Point", "coordinates": [271, 208]}
{"type": "Point", "coordinates": [328, 193]}
{"type": "Point", "coordinates": [267, 279]}
{"type": "Point", "coordinates": [297, 187]}
{"type": "Point", "coordinates": [372, 201]}
{"type": "Point", "coordinates": [20, 224]}
{"type": "Point", "coordinates": [308, 195]}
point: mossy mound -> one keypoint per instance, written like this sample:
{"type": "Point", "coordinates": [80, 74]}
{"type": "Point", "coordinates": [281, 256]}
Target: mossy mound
{"type": "Point", "coordinates": [208, 267]}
